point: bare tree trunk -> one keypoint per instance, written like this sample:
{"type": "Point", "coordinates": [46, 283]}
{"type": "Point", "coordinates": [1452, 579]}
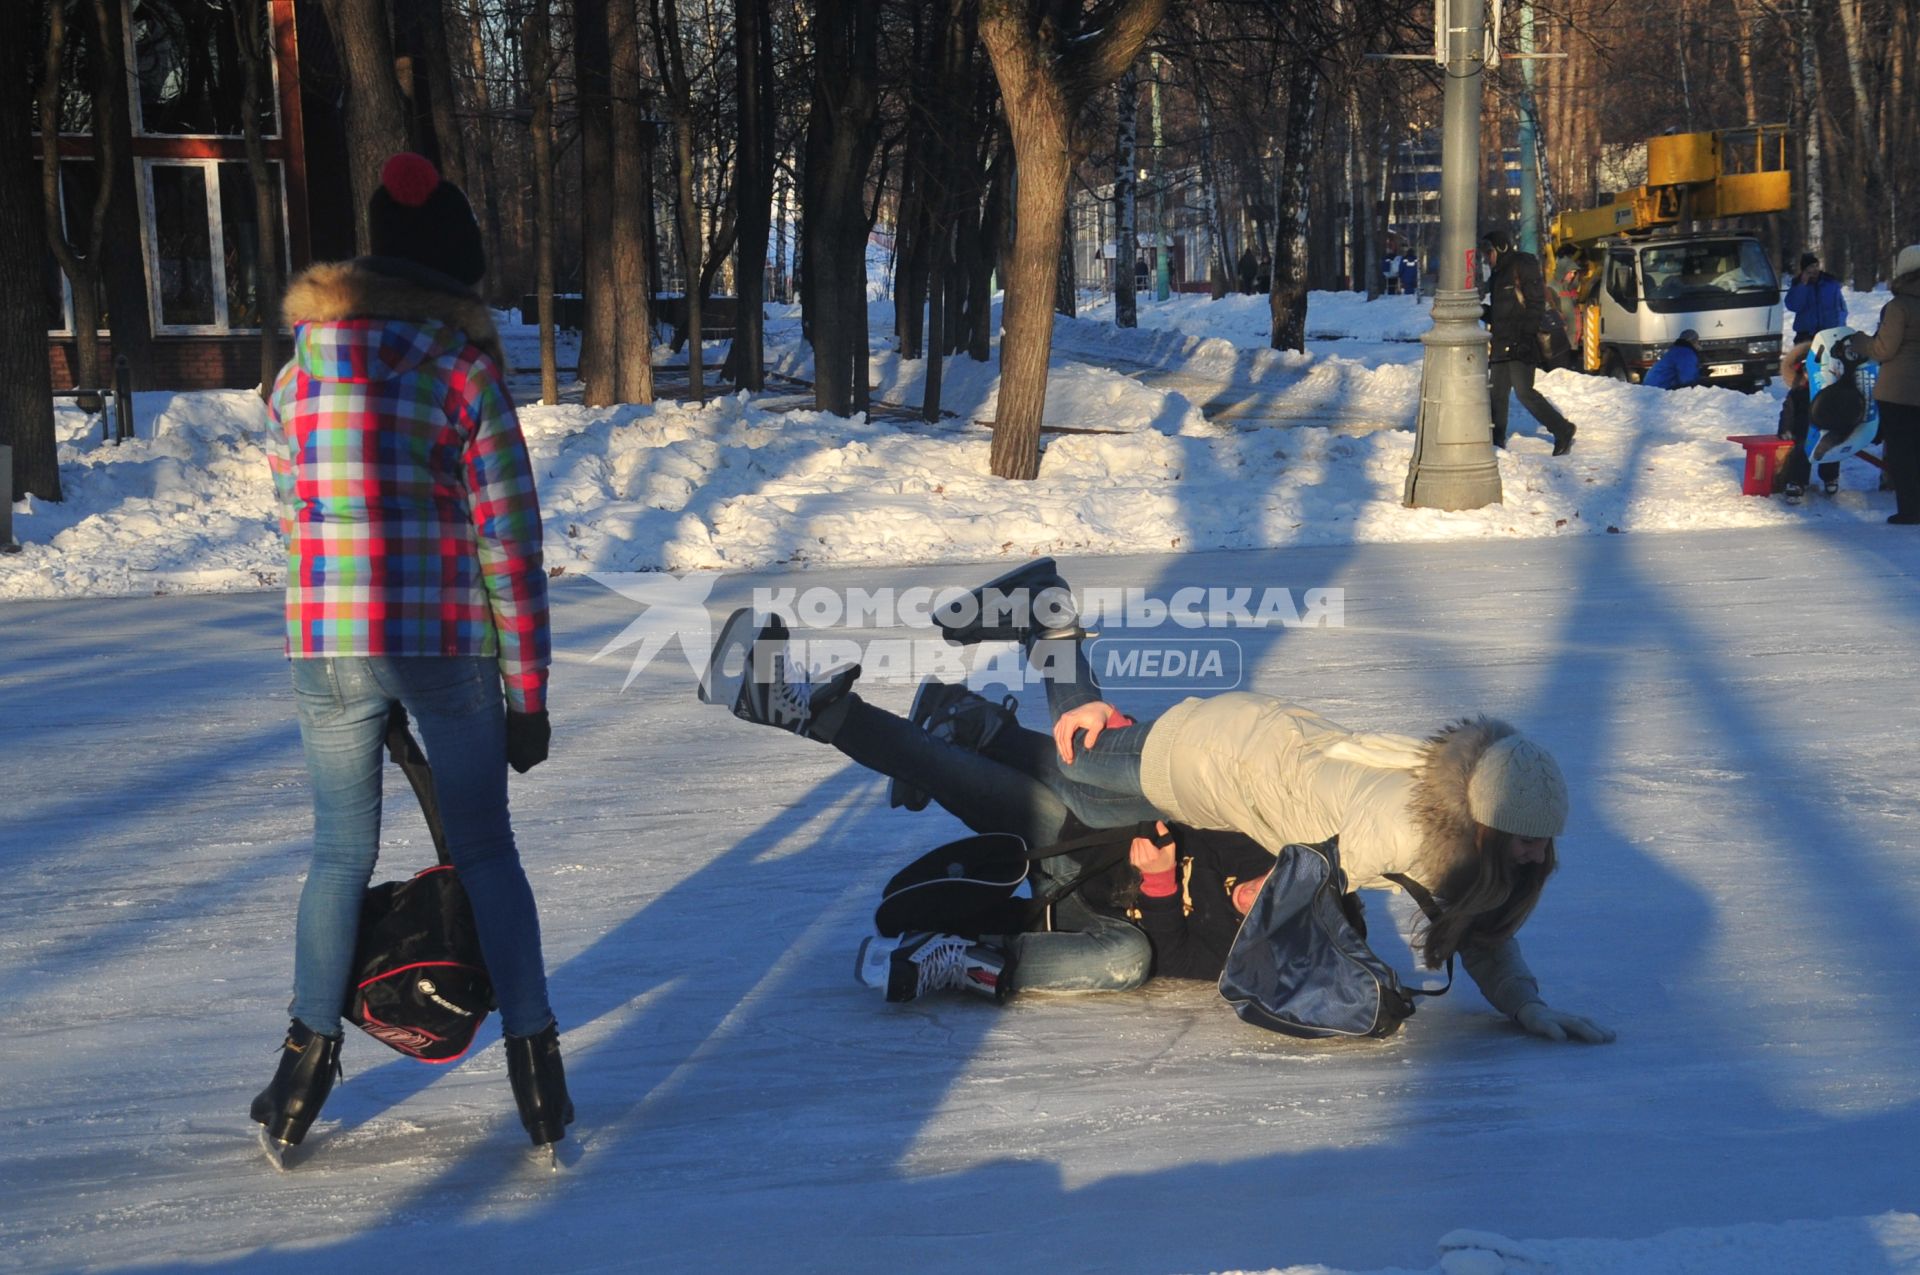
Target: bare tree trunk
{"type": "Point", "coordinates": [1126, 235]}
{"type": "Point", "coordinates": [841, 135]}
{"type": "Point", "coordinates": [82, 267]}
{"type": "Point", "coordinates": [627, 223]}
{"type": "Point", "coordinates": [679, 98]}
{"type": "Point", "coordinates": [1810, 91]}
{"type": "Point", "coordinates": [26, 383]}
{"type": "Point", "coordinates": [536, 39]}
{"type": "Point", "coordinates": [376, 113]}
{"type": "Point", "coordinates": [425, 72]}
{"type": "Point", "coordinates": [1213, 251]}
{"type": "Point", "coordinates": [1868, 257]}
{"type": "Point", "coordinates": [1041, 89]}
{"type": "Point", "coordinates": [1289, 297]}
{"type": "Point", "coordinates": [1063, 281]}
{"type": "Point", "coordinates": [253, 35]}
{"type": "Point", "coordinates": [599, 301]}
{"type": "Point", "coordinates": [123, 262]}
{"type": "Point", "coordinates": [753, 185]}
{"type": "Point", "coordinates": [484, 189]}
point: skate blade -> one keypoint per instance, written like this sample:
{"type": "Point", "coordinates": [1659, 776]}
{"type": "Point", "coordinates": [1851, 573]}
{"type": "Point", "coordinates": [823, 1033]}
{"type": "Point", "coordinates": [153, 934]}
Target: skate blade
{"type": "Point", "coordinates": [730, 662]}
{"type": "Point", "coordinates": [276, 1150]}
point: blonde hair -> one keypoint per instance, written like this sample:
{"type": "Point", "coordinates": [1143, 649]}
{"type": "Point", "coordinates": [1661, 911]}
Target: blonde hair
{"type": "Point", "coordinates": [1484, 899]}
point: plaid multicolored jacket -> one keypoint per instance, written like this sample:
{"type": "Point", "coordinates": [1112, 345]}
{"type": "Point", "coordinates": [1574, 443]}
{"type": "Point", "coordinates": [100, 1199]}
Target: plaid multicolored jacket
{"type": "Point", "coordinates": [406, 495]}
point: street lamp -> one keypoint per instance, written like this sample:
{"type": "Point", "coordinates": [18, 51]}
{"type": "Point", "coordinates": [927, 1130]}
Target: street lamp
{"type": "Point", "coordinates": [1453, 464]}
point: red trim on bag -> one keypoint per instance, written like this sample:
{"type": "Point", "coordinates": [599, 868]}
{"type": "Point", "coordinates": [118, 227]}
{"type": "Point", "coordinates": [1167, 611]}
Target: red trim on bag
{"type": "Point", "coordinates": [372, 1023]}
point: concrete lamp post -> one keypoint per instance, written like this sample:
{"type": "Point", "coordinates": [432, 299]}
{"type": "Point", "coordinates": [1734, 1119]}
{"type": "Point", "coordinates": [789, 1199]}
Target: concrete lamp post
{"type": "Point", "coordinates": [1453, 464]}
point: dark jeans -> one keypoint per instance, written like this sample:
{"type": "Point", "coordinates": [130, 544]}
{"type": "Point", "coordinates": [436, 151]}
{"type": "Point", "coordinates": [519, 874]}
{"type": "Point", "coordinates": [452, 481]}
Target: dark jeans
{"type": "Point", "coordinates": [1794, 415]}
{"type": "Point", "coordinates": [1083, 951]}
{"type": "Point", "coordinates": [1515, 377]}
{"type": "Point", "coordinates": [1900, 431]}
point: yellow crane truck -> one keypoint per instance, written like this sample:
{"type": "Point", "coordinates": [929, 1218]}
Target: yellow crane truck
{"type": "Point", "coordinates": [1634, 273]}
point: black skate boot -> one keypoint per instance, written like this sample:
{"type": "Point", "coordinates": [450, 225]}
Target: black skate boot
{"type": "Point", "coordinates": [539, 1085]}
{"type": "Point", "coordinates": [750, 672]}
{"type": "Point", "coordinates": [1028, 602]}
{"type": "Point", "coordinates": [960, 717]}
{"type": "Point", "coordinates": [309, 1064]}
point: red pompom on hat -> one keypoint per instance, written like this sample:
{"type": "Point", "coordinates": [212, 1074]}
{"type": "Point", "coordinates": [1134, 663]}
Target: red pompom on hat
{"type": "Point", "coordinates": [416, 216]}
{"type": "Point", "coordinates": [409, 178]}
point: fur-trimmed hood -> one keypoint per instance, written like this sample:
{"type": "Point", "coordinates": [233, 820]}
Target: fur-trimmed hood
{"type": "Point", "coordinates": [332, 291]}
{"type": "Point", "coordinates": [1439, 803]}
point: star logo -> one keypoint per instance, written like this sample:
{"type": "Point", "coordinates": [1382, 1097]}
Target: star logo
{"type": "Point", "coordinates": [676, 606]}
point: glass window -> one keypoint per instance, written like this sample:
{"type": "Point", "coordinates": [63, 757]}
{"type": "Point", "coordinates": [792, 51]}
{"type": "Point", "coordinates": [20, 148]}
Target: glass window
{"type": "Point", "coordinates": [182, 249]}
{"type": "Point", "coordinates": [239, 240]}
{"type": "Point", "coordinates": [1707, 268]}
{"type": "Point", "coordinates": [188, 68]}
{"type": "Point", "coordinates": [1620, 278]}
{"type": "Point", "coordinates": [78, 66]}
{"type": "Point", "coordinates": [57, 320]}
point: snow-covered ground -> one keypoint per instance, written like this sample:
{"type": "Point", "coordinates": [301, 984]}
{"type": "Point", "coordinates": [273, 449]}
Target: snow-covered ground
{"type": "Point", "coordinates": [1205, 440]}
{"type": "Point", "coordinates": [1738, 897]}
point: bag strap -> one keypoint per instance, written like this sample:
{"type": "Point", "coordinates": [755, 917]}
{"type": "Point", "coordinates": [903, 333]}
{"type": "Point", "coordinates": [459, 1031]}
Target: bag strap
{"type": "Point", "coordinates": [1424, 898]}
{"type": "Point", "coordinates": [1098, 837]}
{"type": "Point", "coordinates": [1120, 839]}
{"type": "Point", "coordinates": [405, 751]}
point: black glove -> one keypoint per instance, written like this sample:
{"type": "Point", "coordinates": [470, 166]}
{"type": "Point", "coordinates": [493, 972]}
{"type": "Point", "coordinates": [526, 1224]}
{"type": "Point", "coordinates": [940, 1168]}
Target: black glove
{"type": "Point", "coordinates": [527, 737]}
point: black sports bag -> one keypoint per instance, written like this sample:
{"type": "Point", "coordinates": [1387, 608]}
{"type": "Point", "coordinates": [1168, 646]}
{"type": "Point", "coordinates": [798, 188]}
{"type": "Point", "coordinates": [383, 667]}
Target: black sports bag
{"type": "Point", "coordinates": [420, 984]}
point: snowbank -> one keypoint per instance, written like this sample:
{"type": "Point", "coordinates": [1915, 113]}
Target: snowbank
{"type": "Point", "coordinates": [187, 505]}
{"type": "Point", "coordinates": [1885, 1245]}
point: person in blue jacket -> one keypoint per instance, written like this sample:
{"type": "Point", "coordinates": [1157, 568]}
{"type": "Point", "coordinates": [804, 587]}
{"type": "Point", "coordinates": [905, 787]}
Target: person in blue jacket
{"type": "Point", "coordinates": [1815, 299]}
{"type": "Point", "coordinates": [1679, 367]}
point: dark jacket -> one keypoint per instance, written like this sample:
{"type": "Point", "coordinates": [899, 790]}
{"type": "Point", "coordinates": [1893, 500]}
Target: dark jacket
{"type": "Point", "coordinates": [1678, 368]}
{"type": "Point", "coordinates": [1192, 929]}
{"type": "Point", "coordinates": [1516, 309]}
{"type": "Point", "coordinates": [1816, 306]}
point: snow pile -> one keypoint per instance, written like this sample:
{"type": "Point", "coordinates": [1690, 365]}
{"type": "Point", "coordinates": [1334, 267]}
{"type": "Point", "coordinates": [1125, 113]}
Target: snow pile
{"type": "Point", "coordinates": [730, 485]}
{"type": "Point", "coordinates": [1888, 1244]}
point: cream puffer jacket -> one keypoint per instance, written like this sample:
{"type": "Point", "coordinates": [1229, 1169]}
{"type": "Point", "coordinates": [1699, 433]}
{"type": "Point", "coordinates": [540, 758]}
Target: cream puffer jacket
{"type": "Point", "coordinates": [1283, 774]}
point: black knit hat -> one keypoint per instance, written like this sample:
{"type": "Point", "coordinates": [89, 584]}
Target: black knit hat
{"type": "Point", "coordinates": [1497, 239]}
{"type": "Point", "coordinates": [416, 216]}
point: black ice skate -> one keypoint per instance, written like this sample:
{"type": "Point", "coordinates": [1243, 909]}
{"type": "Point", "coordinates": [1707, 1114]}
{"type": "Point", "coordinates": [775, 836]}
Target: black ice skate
{"type": "Point", "coordinates": [955, 714]}
{"type": "Point", "coordinates": [1029, 602]}
{"type": "Point", "coordinates": [753, 672]}
{"type": "Point", "coordinates": [288, 1106]}
{"type": "Point", "coordinates": [540, 1087]}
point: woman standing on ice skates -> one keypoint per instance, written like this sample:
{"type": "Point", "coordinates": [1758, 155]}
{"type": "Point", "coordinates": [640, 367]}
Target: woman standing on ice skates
{"type": "Point", "coordinates": [414, 577]}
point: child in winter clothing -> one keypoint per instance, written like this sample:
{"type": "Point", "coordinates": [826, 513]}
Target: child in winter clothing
{"type": "Point", "coordinates": [414, 577]}
{"type": "Point", "coordinates": [1680, 366]}
{"type": "Point", "coordinates": [1795, 414]}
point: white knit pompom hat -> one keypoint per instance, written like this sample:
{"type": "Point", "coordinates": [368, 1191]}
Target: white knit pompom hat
{"type": "Point", "coordinates": [1907, 261]}
{"type": "Point", "coordinates": [1517, 787]}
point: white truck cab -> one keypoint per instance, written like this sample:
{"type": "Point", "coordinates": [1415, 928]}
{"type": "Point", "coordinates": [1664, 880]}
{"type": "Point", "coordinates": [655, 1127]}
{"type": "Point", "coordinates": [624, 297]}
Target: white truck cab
{"type": "Point", "coordinates": [1647, 291]}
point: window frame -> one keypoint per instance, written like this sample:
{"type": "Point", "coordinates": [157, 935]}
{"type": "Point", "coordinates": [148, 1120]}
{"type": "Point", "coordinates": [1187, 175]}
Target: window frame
{"type": "Point", "coordinates": [137, 113]}
{"type": "Point", "coordinates": [216, 226]}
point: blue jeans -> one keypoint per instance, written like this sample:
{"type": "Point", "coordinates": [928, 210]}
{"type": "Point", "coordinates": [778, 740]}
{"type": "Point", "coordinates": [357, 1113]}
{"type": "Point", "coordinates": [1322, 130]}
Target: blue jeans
{"type": "Point", "coordinates": [459, 717]}
{"type": "Point", "coordinates": [1102, 783]}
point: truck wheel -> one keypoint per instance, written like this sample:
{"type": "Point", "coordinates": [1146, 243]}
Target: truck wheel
{"type": "Point", "coordinates": [1612, 365]}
